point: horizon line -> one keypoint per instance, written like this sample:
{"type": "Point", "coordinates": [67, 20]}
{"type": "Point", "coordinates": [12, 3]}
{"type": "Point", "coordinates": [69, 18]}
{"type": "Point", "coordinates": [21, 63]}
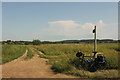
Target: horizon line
{"type": "Point", "coordinates": [61, 40]}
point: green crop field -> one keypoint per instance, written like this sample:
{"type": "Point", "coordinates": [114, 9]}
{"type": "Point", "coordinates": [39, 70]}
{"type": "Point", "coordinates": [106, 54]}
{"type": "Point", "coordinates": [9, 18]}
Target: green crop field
{"type": "Point", "coordinates": [62, 56]}
{"type": "Point", "coordinates": [30, 53]}
{"type": "Point", "coordinates": [11, 52]}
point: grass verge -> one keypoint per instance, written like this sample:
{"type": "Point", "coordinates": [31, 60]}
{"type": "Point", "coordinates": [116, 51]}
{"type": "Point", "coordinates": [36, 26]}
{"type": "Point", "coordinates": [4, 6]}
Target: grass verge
{"type": "Point", "coordinates": [62, 56]}
{"type": "Point", "coordinates": [30, 53]}
{"type": "Point", "coordinates": [11, 52]}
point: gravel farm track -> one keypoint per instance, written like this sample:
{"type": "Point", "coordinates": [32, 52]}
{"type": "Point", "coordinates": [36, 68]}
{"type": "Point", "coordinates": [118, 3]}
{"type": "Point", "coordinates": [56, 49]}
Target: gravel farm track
{"type": "Point", "coordinates": [35, 67]}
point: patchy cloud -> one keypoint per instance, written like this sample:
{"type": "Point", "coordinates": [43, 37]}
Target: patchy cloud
{"type": "Point", "coordinates": [107, 30]}
{"type": "Point", "coordinates": [100, 24]}
{"type": "Point", "coordinates": [62, 27]}
{"type": "Point", "coordinates": [69, 29]}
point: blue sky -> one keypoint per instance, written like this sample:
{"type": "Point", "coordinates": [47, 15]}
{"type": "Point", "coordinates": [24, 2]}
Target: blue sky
{"type": "Point", "coordinates": [59, 0]}
{"type": "Point", "coordinates": [59, 21]}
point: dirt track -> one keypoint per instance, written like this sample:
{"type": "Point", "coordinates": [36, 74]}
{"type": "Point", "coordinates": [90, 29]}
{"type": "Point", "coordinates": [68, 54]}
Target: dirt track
{"type": "Point", "coordinates": [32, 68]}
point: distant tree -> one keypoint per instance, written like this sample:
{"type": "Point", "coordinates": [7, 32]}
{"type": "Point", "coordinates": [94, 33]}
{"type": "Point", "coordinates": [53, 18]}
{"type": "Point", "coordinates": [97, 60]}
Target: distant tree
{"type": "Point", "coordinates": [3, 42]}
{"type": "Point", "coordinates": [16, 42]}
{"type": "Point", "coordinates": [46, 42]}
{"type": "Point", "coordinates": [36, 42]}
{"type": "Point", "coordinates": [27, 42]}
{"type": "Point", "coordinates": [10, 42]}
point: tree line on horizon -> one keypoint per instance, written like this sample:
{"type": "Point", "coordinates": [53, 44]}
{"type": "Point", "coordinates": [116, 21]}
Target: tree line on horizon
{"type": "Point", "coordinates": [38, 42]}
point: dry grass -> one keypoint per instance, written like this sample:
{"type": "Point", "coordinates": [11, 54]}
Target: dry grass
{"type": "Point", "coordinates": [61, 57]}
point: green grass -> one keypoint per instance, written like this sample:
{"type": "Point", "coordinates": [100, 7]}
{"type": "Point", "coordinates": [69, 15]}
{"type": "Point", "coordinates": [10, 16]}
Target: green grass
{"type": "Point", "coordinates": [30, 53]}
{"type": "Point", "coordinates": [62, 56]}
{"type": "Point", "coordinates": [11, 52]}
{"type": "Point", "coordinates": [40, 55]}
{"type": "Point", "coordinates": [0, 54]}
{"type": "Point", "coordinates": [110, 51]}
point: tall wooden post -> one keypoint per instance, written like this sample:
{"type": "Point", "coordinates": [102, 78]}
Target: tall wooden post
{"type": "Point", "coordinates": [95, 42]}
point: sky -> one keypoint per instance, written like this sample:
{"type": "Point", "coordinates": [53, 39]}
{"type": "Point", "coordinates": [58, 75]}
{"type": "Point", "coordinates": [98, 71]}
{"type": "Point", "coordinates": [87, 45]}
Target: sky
{"type": "Point", "coordinates": [55, 21]}
{"type": "Point", "coordinates": [59, 0]}
{"type": "Point", "coordinates": [0, 21]}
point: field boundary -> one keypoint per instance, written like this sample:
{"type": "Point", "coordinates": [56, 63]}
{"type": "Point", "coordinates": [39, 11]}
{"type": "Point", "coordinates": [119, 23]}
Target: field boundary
{"type": "Point", "coordinates": [19, 58]}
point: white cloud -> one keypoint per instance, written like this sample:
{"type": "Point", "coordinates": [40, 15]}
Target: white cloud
{"type": "Point", "coordinates": [69, 29]}
{"type": "Point", "coordinates": [67, 23]}
{"type": "Point", "coordinates": [63, 27]}
{"type": "Point", "coordinates": [108, 30]}
{"type": "Point", "coordinates": [100, 24]}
